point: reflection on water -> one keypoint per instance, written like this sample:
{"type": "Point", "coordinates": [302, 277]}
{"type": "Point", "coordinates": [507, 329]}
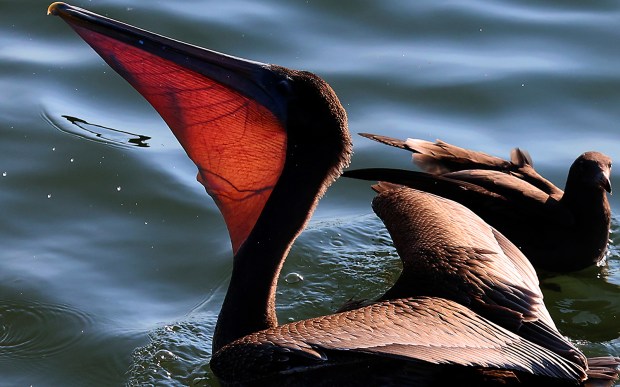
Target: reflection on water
{"type": "Point", "coordinates": [585, 304]}
{"type": "Point", "coordinates": [89, 131]}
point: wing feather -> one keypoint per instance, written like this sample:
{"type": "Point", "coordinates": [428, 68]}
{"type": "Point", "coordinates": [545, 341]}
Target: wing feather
{"type": "Point", "coordinates": [448, 251]}
{"type": "Point", "coordinates": [424, 329]}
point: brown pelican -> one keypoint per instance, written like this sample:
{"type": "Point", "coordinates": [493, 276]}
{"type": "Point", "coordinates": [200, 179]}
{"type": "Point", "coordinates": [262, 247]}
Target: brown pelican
{"type": "Point", "coordinates": [267, 142]}
{"type": "Point", "coordinates": [557, 230]}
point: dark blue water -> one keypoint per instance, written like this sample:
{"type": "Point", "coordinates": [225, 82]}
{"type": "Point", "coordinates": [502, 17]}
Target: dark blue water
{"type": "Point", "coordinates": [115, 262]}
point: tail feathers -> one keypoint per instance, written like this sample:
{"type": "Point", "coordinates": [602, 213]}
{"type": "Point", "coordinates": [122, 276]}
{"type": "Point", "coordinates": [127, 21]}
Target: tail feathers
{"type": "Point", "coordinates": [602, 371]}
{"type": "Point", "coordinates": [430, 164]}
{"type": "Point", "coordinates": [520, 157]}
{"type": "Point", "coordinates": [441, 157]}
{"type": "Point", "coordinates": [548, 337]}
{"type": "Point", "coordinates": [386, 140]}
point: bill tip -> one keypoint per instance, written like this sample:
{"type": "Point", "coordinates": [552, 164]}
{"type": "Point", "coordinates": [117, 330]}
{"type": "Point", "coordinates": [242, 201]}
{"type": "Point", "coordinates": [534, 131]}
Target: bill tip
{"type": "Point", "coordinates": [56, 7]}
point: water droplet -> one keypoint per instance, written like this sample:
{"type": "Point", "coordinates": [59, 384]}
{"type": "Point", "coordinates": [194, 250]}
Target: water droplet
{"type": "Point", "coordinates": [164, 355]}
{"type": "Point", "coordinates": [292, 278]}
{"type": "Point", "coordinates": [172, 328]}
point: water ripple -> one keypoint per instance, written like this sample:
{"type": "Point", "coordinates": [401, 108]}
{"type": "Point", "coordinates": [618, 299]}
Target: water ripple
{"type": "Point", "coordinates": [98, 133]}
{"type": "Point", "coordinates": [32, 330]}
{"type": "Point", "coordinates": [177, 355]}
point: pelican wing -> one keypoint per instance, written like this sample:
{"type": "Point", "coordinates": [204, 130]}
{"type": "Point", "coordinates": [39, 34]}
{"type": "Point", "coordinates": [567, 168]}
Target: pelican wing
{"type": "Point", "coordinates": [416, 330]}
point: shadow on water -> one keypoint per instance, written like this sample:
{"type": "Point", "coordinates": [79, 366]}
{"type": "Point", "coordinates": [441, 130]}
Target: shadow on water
{"type": "Point", "coordinates": [98, 133]}
{"type": "Point", "coordinates": [585, 305]}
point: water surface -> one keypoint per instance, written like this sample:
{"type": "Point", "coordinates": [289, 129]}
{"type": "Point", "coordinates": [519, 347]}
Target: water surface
{"type": "Point", "coordinates": [115, 262]}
